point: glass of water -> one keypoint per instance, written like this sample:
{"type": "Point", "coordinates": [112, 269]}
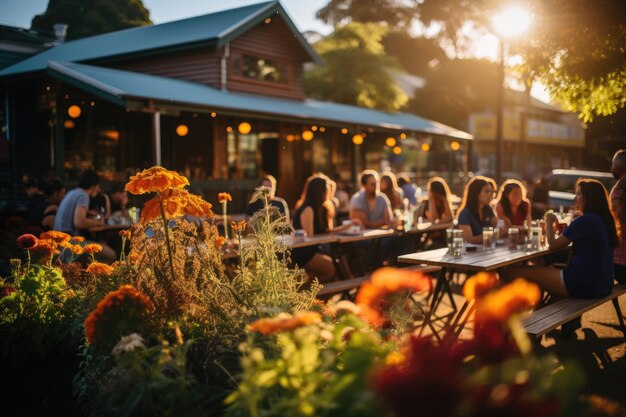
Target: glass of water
{"type": "Point", "coordinates": [489, 242]}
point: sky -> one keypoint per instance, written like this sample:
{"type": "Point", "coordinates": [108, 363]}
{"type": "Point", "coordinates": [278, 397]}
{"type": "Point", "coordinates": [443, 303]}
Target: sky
{"type": "Point", "coordinates": [302, 12]}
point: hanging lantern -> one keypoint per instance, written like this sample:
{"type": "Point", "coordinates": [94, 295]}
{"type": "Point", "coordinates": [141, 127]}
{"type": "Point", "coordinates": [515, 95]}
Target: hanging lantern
{"type": "Point", "coordinates": [390, 141]}
{"type": "Point", "coordinates": [182, 130]}
{"type": "Point", "coordinates": [74, 111]}
{"type": "Point", "coordinates": [357, 139]}
{"type": "Point", "coordinates": [244, 128]}
{"type": "Point", "coordinates": [425, 147]}
{"type": "Point", "coordinates": [397, 150]}
{"type": "Point", "coordinates": [455, 146]}
{"type": "Point", "coordinates": [307, 135]}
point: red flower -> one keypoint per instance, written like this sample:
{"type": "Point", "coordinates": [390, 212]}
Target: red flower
{"type": "Point", "coordinates": [27, 241]}
{"type": "Point", "coordinates": [6, 291]}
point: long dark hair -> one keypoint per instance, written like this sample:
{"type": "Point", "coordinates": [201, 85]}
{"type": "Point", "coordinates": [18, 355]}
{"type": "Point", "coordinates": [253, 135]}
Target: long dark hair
{"type": "Point", "coordinates": [472, 191]}
{"type": "Point", "coordinates": [503, 197]}
{"type": "Point", "coordinates": [315, 197]}
{"type": "Point", "coordinates": [596, 200]}
{"type": "Point", "coordinates": [440, 187]}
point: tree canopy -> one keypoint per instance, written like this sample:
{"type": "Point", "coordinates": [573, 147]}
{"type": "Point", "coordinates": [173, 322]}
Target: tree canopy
{"type": "Point", "coordinates": [575, 47]}
{"type": "Point", "coordinates": [355, 70]}
{"type": "Point", "coordinates": [93, 17]}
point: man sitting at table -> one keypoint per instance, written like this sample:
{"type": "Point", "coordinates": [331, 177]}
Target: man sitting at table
{"type": "Point", "coordinates": [270, 182]}
{"type": "Point", "coordinates": [369, 205]}
{"type": "Point", "coordinates": [72, 217]}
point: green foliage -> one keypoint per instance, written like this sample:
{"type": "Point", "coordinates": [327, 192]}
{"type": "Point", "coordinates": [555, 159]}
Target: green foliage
{"type": "Point", "coordinates": [355, 70]}
{"type": "Point", "coordinates": [38, 297]}
{"type": "Point", "coordinates": [319, 370]}
{"type": "Point", "coordinates": [93, 17]}
{"type": "Point", "coordinates": [393, 12]}
{"type": "Point", "coordinates": [153, 382]}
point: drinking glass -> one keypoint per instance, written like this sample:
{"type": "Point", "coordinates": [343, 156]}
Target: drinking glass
{"type": "Point", "coordinates": [513, 237]}
{"type": "Point", "coordinates": [457, 246]}
{"type": "Point", "coordinates": [488, 240]}
{"type": "Point", "coordinates": [449, 236]}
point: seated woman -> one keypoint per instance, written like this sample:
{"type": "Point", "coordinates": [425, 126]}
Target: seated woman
{"type": "Point", "coordinates": [44, 213]}
{"type": "Point", "coordinates": [389, 187]}
{"type": "Point", "coordinates": [475, 211]}
{"type": "Point", "coordinates": [513, 207]}
{"type": "Point", "coordinates": [593, 236]}
{"type": "Point", "coordinates": [438, 201]}
{"type": "Point", "coordinates": [313, 217]}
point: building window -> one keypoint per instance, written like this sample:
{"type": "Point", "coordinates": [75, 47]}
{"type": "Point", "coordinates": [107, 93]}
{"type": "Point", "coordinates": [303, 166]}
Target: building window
{"type": "Point", "coordinates": [262, 69]}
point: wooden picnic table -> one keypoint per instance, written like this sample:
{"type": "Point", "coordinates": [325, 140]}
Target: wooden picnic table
{"type": "Point", "coordinates": [477, 260]}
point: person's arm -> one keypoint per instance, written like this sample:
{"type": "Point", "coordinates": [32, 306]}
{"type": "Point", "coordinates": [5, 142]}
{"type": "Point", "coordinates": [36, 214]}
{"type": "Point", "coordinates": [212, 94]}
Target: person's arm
{"type": "Point", "coordinates": [619, 208]}
{"type": "Point", "coordinates": [107, 206]}
{"type": "Point", "coordinates": [447, 212]}
{"type": "Point", "coordinates": [501, 216]}
{"type": "Point", "coordinates": [360, 216]}
{"type": "Point", "coordinates": [82, 222]}
{"type": "Point", "coordinates": [553, 243]}
{"type": "Point", "coordinates": [306, 221]}
{"type": "Point", "coordinates": [468, 235]}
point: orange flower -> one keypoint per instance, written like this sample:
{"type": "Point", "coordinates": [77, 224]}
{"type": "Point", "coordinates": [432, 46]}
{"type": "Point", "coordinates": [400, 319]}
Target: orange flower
{"type": "Point", "coordinates": [58, 237]}
{"type": "Point", "coordinates": [499, 305]}
{"type": "Point", "coordinates": [387, 281]}
{"type": "Point", "coordinates": [155, 180]}
{"type": "Point", "coordinates": [119, 313]}
{"type": "Point", "coordinates": [224, 197]}
{"type": "Point", "coordinates": [133, 257]}
{"type": "Point", "coordinates": [219, 242]}
{"type": "Point", "coordinates": [92, 248]}
{"type": "Point", "coordinates": [48, 246]}
{"type": "Point", "coordinates": [27, 241]}
{"type": "Point", "coordinates": [238, 227]}
{"type": "Point", "coordinates": [78, 239]}
{"type": "Point", "coordinates": [176, 203]}
{"type": "Point", "coordinates": [76, 249]}
{"type": "Point", "coordinates": [479, 285]}
{"type": "Point", "coordinates": [125, 234]}
{"type": "Point", "coordinates": [98, 268]}
{"type": "Point", "coordinates": [284, 322]}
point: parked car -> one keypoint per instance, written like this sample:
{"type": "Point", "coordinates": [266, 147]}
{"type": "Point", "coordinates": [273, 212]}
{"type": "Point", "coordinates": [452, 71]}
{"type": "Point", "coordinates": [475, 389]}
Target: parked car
{"type": "Point", "coordinates": [562, 185]}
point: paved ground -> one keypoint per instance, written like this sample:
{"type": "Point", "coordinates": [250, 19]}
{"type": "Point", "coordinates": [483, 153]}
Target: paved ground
{"type": "Point", "coordinates": [600, 349]}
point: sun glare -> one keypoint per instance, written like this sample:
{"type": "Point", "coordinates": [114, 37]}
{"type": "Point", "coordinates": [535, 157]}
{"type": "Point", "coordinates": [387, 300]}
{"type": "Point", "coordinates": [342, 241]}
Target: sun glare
{"type": "Point", "coordinates": [512, 21]}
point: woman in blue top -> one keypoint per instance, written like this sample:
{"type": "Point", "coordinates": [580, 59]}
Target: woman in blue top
{"type": "Point", "coordinates": [475, 211]}
{"type": "Point", "coordinates": [593, 235]}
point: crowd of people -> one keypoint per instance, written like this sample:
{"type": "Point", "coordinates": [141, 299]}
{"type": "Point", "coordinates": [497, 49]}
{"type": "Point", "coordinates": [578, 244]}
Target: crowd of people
{"type": "Point", "coordinates": [598, 250]}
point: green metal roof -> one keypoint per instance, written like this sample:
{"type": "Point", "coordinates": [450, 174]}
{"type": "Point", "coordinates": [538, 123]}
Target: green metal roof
{"type": "Point", "coordinates": [211, 29]}
{"type": "Point", "coordinates": [124, 87]}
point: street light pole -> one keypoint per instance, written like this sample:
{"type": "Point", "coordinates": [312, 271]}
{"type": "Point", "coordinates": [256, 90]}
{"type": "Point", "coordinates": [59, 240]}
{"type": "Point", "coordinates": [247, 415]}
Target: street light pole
{"type": "Point", "coordinates": [500, 114]}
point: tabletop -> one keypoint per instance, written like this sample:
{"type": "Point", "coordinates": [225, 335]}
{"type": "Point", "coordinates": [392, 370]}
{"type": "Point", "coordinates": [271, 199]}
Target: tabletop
{"type": "Point", "coordinates": [426, 227]}
{"type": "Point", "coordinates": [107, 227]}
{"type": "Point", "coordinates": [478, 260]}
{"type": "Point", "coordinates": [366, 234]}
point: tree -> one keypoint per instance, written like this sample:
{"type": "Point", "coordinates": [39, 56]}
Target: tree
{"type": "Point", "coordinates": [355, 70]}
{"type": "Point", "coordinates": [93, 17]}
{"type": "Point", "coordinates": [575, 47]}
{"type": "Point", "coordinates": [416, 55]}
{"type": "Point", "coordinates": [392, 12]}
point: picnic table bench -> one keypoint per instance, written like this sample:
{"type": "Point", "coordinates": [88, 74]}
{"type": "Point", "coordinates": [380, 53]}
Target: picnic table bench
{"type": "Point", "coordinates": [556, 314]}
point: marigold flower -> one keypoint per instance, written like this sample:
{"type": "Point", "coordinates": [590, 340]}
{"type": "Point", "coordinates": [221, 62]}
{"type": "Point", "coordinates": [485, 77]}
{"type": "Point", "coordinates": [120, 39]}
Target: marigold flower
{"type": "Point", "coordinates": [78, 239]}
{"type": "Point", "coordinates": [58, 237]}
{"type": "Point", "coordinates": [479, 285]}
{"type": "Point", "coordinates": [176, 203]}
{"type": "Point", "coordinates": [499, 305]}
{"type": "Point", "coordinates": [76, 249]}
{"type": "Point", "coordinates": [219, 242]}
{"type": "Point", "coordinates": [118, 312]}
{"type": "Point", "coordinates": [133, 257]}
{"type": "Point", "coordinates": [284, 322]}
{"type": "Point", "coordinates": [27, 241]}
{"type": "Point", "coordinates": [385, 282]}
{"type": "Point", "coordinates": [98, 268]}
{"type": "Point", "coordinates": [92, 248]}
{"type": "Point", "coordinates": [224, 197]}
{"type": "Point", "coordinates": [48, 246]}
{"type": "Point", "coordinates": [238, 227]}
{"type": "Point", "coordinates": [155, 180]}
{"type": "Point", "coordinates": [125, 234]}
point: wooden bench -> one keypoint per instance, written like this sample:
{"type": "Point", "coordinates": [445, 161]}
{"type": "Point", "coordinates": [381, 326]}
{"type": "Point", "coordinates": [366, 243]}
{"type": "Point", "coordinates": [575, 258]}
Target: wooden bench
{"type": "Point", "coordinates": [554, 315]}
{"type": "Point", "coordinates": [346, 285]}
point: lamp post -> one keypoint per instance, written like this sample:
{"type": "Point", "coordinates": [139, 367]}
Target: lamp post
{"type": "Point", "coordinates": [508, 23]}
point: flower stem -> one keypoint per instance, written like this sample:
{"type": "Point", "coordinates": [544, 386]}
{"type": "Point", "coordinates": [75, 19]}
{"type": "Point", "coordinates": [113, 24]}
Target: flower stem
{"type": "Point", "coordinates": [224, 203]}
{"type": "Point", "coordinates": [167, 241]}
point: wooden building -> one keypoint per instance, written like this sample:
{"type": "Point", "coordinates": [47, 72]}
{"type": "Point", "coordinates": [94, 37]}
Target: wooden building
{"type": "Point", "coordinates": [218, 97]}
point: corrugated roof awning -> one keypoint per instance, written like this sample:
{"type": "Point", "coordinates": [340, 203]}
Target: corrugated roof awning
{"type": "Point", "coordinates": [124, 87]}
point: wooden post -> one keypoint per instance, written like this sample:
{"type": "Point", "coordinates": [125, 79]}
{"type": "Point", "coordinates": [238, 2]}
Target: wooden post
{"type": "Point", "coordinates": [156, 137]}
